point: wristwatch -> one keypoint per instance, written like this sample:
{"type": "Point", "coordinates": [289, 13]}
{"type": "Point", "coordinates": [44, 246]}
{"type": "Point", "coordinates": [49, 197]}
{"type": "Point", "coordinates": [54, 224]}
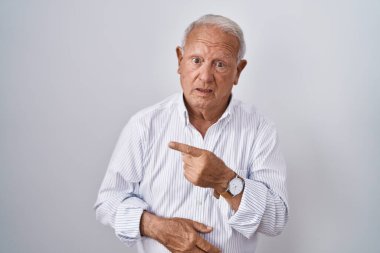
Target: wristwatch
{"type": "Point", "coordinates": [235, 187]}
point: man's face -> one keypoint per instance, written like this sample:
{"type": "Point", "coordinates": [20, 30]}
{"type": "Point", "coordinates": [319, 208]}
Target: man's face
{"type": "Point", "coordinates": [208, 67]}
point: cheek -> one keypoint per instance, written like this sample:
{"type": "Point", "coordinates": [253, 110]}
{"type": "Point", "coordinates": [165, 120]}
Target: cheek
{"type": "Point", "coordinates": [186, 82]}
{"type": "Point", "coordinates": [225, 80]}
{"type": "Point", "coordinates": [188, 76]}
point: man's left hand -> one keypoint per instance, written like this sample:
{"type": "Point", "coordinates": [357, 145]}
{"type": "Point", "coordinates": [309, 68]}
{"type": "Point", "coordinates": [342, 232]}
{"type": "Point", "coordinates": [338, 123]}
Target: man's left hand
{"type": "Point", "coordinates": [203, 168]}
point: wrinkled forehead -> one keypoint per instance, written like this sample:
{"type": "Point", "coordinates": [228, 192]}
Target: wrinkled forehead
{"type": "Point", "coordinates": [212, 37]}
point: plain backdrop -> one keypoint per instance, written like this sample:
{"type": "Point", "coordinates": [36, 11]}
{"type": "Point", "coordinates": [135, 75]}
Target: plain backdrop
{"type": "Point", "coordinates": [73, 72]}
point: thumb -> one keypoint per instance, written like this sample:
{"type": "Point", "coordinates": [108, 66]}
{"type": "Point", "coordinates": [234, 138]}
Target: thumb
{"type": "Point", "coordinates": [200, 227]}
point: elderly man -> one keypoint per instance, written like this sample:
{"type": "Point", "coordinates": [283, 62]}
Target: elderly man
{"type": "Point", "coordinates": [200, 171]}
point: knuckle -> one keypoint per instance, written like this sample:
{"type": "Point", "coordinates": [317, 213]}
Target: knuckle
{"type": "Point", "coordinates": [189, 245]}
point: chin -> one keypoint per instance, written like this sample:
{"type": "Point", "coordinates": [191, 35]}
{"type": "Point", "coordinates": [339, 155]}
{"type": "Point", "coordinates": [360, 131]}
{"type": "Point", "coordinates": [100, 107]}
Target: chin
{"type": "Point", "coordinates": [202, 103]}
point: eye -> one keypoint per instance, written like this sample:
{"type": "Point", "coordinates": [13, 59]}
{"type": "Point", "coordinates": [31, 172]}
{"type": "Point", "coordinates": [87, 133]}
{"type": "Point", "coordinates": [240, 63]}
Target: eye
{"type": "Point", "coordinates": [220, 64]}
{"type": "Point", "coordinates": [196, 60]}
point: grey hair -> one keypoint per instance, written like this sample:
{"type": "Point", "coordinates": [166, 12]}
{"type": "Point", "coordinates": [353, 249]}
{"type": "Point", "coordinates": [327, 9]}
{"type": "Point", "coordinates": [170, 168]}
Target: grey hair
{"type": "Point", "coordinates": [225, 24]}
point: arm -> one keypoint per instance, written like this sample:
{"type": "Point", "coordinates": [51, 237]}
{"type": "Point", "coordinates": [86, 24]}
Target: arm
{"type": "Point", "coordinates": [203, 168]}
{"type": "Point", "coordinates": [176, 234]}
{"type": "Point", "coordinates": [264, 199]}
{"type": "Point", "coordinates": [119, 204]}
{"type": "Point", "coordinates": [262, 206]}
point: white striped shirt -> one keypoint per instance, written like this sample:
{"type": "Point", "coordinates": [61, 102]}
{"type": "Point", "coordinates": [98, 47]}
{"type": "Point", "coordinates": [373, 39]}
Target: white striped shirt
{"type": "Point", "coordinates": [144, 174]}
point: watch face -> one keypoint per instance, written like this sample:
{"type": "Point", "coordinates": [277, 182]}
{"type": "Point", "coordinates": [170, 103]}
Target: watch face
{"type": "Point", "coordinates": [236, 186]}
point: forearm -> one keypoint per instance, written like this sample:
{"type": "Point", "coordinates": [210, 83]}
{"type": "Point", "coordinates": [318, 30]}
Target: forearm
{"type": "Point", "coordinates": [149, 224]}
{"type": "Point", "coordinates": [119, 206]}
{"type": "Point", "coordinates": [124, 216]}
{"type": "Point", "coordinates": [233, 201]}
{"type": "Point", "coordinates": [260, 210]}
{"type": "Point", "coordinates": [263, 207]}
{"type": "Point", "coordinates": [275, 216]}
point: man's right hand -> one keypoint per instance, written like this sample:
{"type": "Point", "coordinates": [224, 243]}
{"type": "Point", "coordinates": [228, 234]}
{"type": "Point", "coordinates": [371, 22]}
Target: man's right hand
{"type": "Point", "coordinates": [177, 234]}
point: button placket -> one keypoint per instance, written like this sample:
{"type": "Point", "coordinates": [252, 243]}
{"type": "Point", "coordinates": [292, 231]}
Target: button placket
{"type": "Point", "coordinates": [210, 142]}
{"type": "Point", "coordinates": [194, 138]}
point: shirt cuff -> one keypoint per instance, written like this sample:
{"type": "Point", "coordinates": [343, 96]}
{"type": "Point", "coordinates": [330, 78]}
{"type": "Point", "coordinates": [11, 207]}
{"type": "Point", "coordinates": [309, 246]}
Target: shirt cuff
{"type": "Point", "coordinates": [127, 220]}
{"type": "Point", "coordinates": [247, 218]}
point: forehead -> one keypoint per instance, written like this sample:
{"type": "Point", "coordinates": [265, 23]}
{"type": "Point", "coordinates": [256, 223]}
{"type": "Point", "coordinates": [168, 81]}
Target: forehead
{"type": "Point", "coordinates": [212, 38]}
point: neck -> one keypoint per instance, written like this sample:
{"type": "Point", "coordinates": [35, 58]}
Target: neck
{"type": "Point", "coordinates": [202, 118]}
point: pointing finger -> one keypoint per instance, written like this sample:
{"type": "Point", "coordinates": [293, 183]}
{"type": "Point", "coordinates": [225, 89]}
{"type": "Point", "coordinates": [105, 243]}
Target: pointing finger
{"type": "Point", "coordinates": [184, 148]}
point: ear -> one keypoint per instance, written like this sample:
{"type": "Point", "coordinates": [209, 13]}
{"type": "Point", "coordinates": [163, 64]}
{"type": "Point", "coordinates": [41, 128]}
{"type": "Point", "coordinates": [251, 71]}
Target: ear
{"type": "Point", "coordinates": [240, 68]}
{"type": "Point", "coordinates": [178, 50]}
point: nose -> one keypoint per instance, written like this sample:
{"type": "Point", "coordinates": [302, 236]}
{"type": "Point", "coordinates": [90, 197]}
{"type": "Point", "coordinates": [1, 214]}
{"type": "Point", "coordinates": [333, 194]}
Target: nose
{"type": "Point", "coordinates": [206, 74]}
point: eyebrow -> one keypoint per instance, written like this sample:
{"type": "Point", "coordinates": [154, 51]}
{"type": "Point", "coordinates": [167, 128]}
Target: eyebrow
{"type": "Point", "coordinates": [217, 57]}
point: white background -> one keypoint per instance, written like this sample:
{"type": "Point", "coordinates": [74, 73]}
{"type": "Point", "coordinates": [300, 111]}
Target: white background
{"type": "Point", "coordinates": [73, 72]}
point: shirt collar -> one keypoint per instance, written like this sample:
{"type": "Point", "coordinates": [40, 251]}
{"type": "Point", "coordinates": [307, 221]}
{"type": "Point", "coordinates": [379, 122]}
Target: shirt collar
{"type": "Point", "coordinates": [185, 115]}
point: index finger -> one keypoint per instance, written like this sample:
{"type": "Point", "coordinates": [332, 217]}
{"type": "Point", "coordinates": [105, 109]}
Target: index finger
{"type": "Point", "coordinates": [206, 246]}
{"type": "Point", "coordinates": [184, 148]}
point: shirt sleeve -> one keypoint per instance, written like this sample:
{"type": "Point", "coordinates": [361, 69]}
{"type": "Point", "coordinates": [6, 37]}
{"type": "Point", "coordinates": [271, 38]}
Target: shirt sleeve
{"type": "Point", "coordinates": [119, 204]}
{"type": "Point", "coordinates": [263, 207]}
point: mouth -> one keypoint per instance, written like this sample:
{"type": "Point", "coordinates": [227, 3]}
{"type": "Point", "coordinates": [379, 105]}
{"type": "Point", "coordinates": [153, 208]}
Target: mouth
{"type": "Point", "coordinates": [204, 91]}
